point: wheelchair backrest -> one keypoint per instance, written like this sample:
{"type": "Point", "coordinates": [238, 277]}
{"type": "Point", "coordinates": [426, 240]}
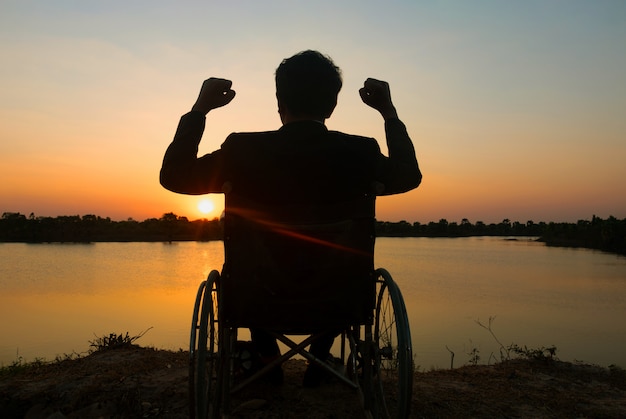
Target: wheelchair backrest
{"type": "Point", "coordinates": [298, 267]}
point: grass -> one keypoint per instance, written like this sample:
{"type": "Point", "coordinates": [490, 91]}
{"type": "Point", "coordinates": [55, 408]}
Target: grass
{"type": "Point", "coordinates": [507, 352]}
{"type": "Point", "coordinates": [542, 353]}
{"type": "Point", "coordinates": [114, 341]}
{"type": "Point", "coordinates": [103, 343]}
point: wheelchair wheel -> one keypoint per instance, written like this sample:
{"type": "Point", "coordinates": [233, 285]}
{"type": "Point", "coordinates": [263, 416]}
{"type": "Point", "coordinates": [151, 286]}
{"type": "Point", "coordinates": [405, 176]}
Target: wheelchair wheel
{"type": "Point", "coordinates": [204, 377]}
{"type": "Point", "coordinates": [393, 358]}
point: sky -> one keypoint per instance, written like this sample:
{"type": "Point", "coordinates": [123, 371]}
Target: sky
{"type": "Point", "coordinates": [517, 110]}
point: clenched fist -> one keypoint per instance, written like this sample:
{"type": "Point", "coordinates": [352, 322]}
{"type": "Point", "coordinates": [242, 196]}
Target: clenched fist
{"type": "Point", "coordinates": [214, 93]}
{"type": "Point", "coordinates": [376, 93]}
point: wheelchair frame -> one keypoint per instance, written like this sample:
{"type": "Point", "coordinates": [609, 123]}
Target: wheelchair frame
{"type": "Point", "coordinates": [377, 357]}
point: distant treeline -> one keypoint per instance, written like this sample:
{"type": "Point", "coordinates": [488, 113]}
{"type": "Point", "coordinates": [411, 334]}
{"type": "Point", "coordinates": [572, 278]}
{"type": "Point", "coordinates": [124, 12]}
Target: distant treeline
{"type": "Point", "coordinates": [607, 235]}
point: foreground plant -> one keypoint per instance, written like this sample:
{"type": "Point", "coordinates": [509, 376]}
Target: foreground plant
{"type": "Point", "coordinates": [114, 341]}
{"type": "Point", "coordinates": [513, 350]}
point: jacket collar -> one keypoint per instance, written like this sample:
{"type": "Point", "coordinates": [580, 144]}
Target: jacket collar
{"type": "Point", "coordinates": [308, 125]}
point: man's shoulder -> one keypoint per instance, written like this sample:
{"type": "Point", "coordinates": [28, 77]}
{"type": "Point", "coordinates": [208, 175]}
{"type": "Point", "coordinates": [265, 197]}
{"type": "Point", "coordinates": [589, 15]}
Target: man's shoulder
{"type": "Point", "coordinates": [253, 134]}
{"type": "Point", "coordinates": [280, 138]}
{"type": "Point", "coordinates": [353, 140]}
{"type": "Point", "coordinates": [238, 138]}
{"type": "Point", "coordinates": [347, 136]}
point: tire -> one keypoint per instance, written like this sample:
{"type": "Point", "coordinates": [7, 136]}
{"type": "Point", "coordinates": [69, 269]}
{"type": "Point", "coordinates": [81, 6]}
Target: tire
{"type": "Point", "coordinates": [393, 353]}
{"type": "Point", "coordinates": [205, 382]}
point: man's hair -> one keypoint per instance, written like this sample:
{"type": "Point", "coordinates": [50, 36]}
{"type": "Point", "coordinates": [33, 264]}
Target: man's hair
{"type": "Point", "coordinates": [308, 83]}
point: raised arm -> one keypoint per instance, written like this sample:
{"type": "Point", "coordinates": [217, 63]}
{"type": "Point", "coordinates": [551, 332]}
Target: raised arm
{"type": "Point", "coordinates": [182, 171]}
{"type": "Point", "coordinates": [400, 171]}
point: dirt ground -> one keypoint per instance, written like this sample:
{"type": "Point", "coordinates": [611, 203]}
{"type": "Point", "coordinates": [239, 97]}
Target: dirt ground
{"type": "Point", "coordinates": [135, 382]}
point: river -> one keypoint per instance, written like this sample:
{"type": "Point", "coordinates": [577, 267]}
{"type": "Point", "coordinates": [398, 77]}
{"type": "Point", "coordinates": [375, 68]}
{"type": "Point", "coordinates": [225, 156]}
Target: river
{"type": "Point", "coordinates": [56, 298]}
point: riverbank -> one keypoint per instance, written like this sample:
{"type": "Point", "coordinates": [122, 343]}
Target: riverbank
{"type": "Point", "coordinates": [142, 382]}
{"type": "Point", "coordinates": [606, 235]}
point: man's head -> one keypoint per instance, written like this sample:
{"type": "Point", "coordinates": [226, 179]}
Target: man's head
{"type": "Point", "coordinates": [307, 85]}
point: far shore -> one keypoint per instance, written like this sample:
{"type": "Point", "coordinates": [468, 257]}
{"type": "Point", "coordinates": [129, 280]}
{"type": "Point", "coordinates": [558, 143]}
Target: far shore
{"type": "Point", "coordinates": [608, 235]}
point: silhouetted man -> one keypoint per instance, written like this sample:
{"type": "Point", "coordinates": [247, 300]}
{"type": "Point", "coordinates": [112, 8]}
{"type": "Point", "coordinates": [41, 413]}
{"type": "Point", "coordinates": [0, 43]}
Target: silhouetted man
{"type": "Point", "coordinates": [302, 162]}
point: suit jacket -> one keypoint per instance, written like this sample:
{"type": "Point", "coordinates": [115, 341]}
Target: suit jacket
{"type": "Point", "coordinates": [299, 210]}
{"type": "Point", "coordinates": [302, 163]}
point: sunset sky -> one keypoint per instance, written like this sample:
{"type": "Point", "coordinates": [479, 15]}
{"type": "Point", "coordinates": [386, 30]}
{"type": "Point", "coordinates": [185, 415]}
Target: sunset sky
{"type": "Point", "coordinates": [517, 109]}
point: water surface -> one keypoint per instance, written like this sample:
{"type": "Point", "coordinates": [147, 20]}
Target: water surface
{"type": "Point", "coordinates": [55, 298]}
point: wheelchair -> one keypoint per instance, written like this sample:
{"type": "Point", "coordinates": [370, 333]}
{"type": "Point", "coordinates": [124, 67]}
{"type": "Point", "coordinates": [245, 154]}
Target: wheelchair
{"type": "Point", "coordinates": [301, 271]}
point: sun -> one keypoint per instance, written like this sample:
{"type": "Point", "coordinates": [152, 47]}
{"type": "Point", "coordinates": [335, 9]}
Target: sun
{"type": "Point", "coordinates": [205, 206]}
